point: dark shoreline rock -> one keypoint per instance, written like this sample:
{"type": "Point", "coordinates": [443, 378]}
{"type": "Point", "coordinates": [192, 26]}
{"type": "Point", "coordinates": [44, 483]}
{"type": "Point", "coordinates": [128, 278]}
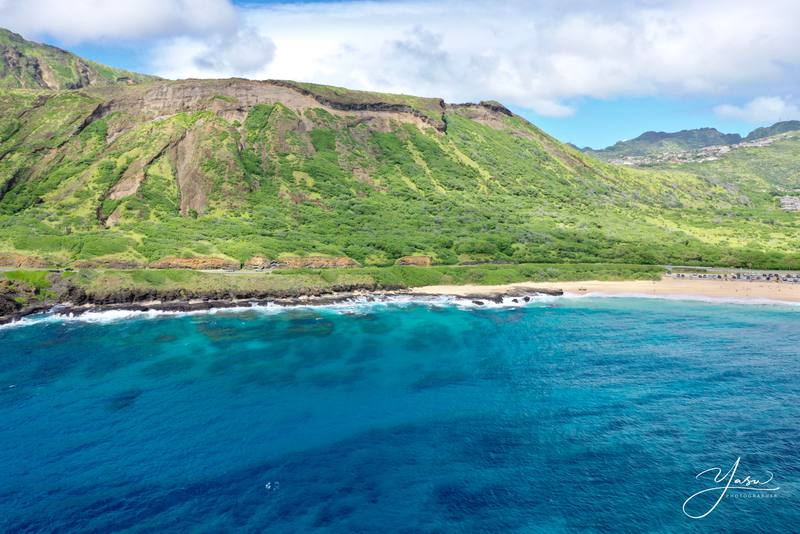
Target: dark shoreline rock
{"type": "Point", "coordinates": [519, 293]}
{"type": "Point", "coordinates": [24, 312]}
{"type": "Point", "coordinates": [81, 307]}
{"type": "Point", "coordinates": [178, 302]}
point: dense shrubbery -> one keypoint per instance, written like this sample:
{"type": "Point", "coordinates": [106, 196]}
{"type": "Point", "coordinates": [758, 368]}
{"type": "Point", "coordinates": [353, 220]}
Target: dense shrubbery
{"type": "Point", "coordinates": [100, 283]}
{"type": "Point", "coordinates": [376, 193]}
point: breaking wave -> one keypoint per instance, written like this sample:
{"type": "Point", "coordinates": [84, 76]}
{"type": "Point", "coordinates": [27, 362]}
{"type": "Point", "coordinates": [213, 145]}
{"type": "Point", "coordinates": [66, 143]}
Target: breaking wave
{"type": "Point", "coordinates": [363, 304]}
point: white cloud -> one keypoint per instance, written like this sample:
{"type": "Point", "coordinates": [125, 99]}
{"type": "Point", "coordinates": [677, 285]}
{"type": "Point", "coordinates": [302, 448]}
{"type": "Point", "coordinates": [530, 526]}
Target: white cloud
{"type": "Point", "coordinates": [91, 20]}
{"type": "Point", "coordinates": [761, 110]}
{"type": "Point", "coordinates": [243, 53]}
{"type": "Point", "coordinates": [545, 55]}
{"type": "Point", "coordinates": [541, 55]}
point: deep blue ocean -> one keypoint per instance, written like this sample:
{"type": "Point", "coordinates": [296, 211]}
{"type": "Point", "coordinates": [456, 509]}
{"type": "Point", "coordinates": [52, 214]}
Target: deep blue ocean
{"type": "Point", "coordinates": [565, 415]}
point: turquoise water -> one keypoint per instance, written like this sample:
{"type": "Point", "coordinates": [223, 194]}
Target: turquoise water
{"type": "Point", "coordinates": [566, 415]}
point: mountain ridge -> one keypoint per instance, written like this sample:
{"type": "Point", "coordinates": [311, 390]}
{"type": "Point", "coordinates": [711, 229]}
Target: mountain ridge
{"type": "Point", "coordinates": [261, 173]}
{"type": "Point", "coordinates": [777, 128]}
{"type": "Point", "coordinates": [29, 65]}
{"type": "Point", "coordinates": [654, 142]}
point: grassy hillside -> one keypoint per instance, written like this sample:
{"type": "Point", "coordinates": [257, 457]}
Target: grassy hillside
{"type": "Point", "coordinates": [761, 173]}
{"type": "Point", "coordinates": [237, 169]}
{"type": "Point", "coordinates": [775, 129]}
{"type": "Point", "coordinates": [25, 64]}
{"type": "Point", "coordinates": [659, 145]}
{"type": "Point", "coordinates": [115, 172]}
{"type": "Point", "coordinates": [660, 142]}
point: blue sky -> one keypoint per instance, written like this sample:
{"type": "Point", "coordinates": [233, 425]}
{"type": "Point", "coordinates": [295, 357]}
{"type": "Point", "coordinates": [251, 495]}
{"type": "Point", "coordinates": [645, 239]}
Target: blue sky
{"type": "Point", "coordinates": [590, 73]}
{"type": "Point", "coordinates": [600, 123]}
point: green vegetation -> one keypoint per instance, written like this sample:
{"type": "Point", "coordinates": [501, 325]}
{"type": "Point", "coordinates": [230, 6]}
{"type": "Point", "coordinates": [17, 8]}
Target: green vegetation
{"type": "Point", "coordinates": [775, 129]}
{"type": "Point", "coordinates": [102, 285]}
{"type": "Point", "coordinates": [659, 143]}
{"type": "Point", "coordinates": [24, 64]}
{"type": "Point", "coordinates": [105, 175]}
{"type": "Point", "coordinates": [409, 276]}
{"type": "Point", "coordinates": [31, 287]}
{"type": "Point", "coordinates": [35, 279]}
{"type": "Point", "coordinates": [759, 173]}
{"type": "Point", "coordinates": [650, 143]}
{"type": "Point", "coordinates": [267, 187]}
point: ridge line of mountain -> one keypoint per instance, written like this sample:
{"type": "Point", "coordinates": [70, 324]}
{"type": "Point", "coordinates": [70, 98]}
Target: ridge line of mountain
{"type": "Point", "coordinates": [27, 64]}
{"type": "Point", "coordinates": [659, 142]}
{"type": "Point", "coordinates": [244, 172]}
{"type": "Point", "coordinates": [32, 65]}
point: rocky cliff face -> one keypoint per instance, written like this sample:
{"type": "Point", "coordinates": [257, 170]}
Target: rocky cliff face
{"type": "Point", "coordinates": [223, 107]}
{"type": "Point", "coordinates": [195, 263]}
{"type": "Point", "coordinates": [24, 261]}
{"type": "Point", "coordinates": [191, 147]}
{"type": "Point", "coordinates": [419, 261]}
{"type": "Point", "coordinates": [233, 98]}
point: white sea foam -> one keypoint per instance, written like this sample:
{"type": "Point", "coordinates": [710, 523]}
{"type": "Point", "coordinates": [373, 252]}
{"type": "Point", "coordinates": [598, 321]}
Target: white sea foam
{"type": "Point", "coordinates": [100, 316]}
{"type": "Point", "coordinates": [360, 304]}
{"type": "Point", "coordinates": [364, 304]}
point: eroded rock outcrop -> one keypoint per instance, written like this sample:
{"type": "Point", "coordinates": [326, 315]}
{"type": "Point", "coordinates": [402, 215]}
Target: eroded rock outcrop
{"type": "Point", "coordinates": [257, 262]}
{"type": "Point", "coordinates": [490, 113]}
{"type": "Point", "coordinates": [420, 261]}
{"type": "Point", "coordinates": [108, 263]}
{"type": "Point", "coordinates": [314, 262]}
{"type": "Point", "coordinates": [307, 262]}
{"type": "Point", "coordinates": [134, 175]}
{"type": "Point", "coordinates": [232, 99]}
{"type": "Point", "coordinates": [197, 262]}
{"type": "Point", "coordinates": [12, 296]}
{"type": "Point", "coordinates": [13, 259]}
{"type": "Point", "coordinates": [193, 184]}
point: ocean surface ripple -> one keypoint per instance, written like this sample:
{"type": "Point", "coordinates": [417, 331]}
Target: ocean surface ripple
{"type": "Point", "coordinates": [564, 415]}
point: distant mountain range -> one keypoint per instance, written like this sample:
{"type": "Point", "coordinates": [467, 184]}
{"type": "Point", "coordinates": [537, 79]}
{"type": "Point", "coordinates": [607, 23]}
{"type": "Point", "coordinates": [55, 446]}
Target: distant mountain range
{"type": "Point", "coordinates": [775, 129]}
{"type": "Point", "coordinates": [651, 143]}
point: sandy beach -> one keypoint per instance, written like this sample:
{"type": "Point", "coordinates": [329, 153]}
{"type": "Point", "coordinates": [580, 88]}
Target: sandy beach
{"type": "Point", "coordinates": [666, 287]}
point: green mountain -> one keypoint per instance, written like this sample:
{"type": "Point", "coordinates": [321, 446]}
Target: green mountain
{"type": "Point", "coordinates": [222, 172]}
{"type": "Point", "coordinates": [761, 172]}
{"type": "Point", "coordinates": [775, 129]}
{"type": "Point", "coordinates": [650, 143]}
{"type": "Point", "coordinates": [662, 144]}
{"type": "Point", "coordinates": [24, 64]}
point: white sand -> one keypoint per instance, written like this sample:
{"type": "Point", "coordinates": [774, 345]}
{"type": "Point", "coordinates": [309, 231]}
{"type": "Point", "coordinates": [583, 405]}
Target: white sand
{"type": "Point", "coordinates": [666, 287]}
